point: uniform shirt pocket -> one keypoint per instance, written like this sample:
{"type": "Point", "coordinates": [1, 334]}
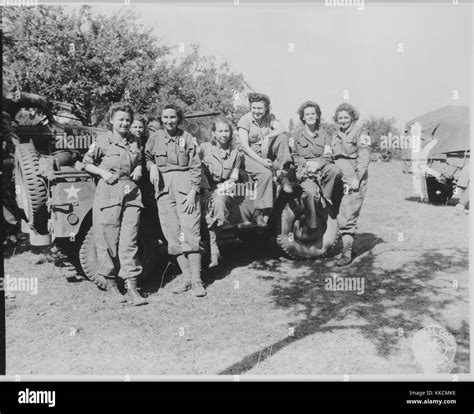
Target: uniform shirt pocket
{"type": "Point", "coordinates": [302, 148]}
{"type": "Point", "coordinates": [303, 143]}
{"type": "Point", "coordinates": [135, 203]}
{"type": "Point", "coordinates": [351, 147]}
{"type": "Point", "coordinates": [183, 156]}
{"type": "Point", "coordinates": [318, 149]}
{"type": "Point", "coordinates": [111, 159]}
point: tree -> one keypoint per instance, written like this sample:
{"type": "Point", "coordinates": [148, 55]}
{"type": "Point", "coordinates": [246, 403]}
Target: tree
{"type": "Point", "coordinates": [197, 83]}
{"type": "Point", "coordinates": [329, 127]}
{"type": "Point", "coordinates": [378, 127]}
{"type": "Point", "coordinates": [90, 61]}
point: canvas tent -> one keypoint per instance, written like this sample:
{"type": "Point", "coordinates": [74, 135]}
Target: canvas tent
{"type": "Point", "coordinates": [449, 125]}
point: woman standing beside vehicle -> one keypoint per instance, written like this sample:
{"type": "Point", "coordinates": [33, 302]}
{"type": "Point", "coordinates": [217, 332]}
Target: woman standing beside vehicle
{"type": "Point", "coordinates": [175, 170]}
{"type": "Point", "coordinates": [351, 150]}
{"type": "Point", "coordinates": [115, 157]}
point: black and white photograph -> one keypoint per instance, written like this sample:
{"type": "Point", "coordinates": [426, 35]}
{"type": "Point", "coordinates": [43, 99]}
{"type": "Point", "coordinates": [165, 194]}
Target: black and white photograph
{"type": "Point", "coordinates": [237, 190]}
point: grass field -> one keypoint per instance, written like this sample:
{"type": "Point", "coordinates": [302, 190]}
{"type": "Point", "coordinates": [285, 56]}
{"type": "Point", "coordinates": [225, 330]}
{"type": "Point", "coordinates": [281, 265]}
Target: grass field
{"type": "Point", "coordinates": [264, 315]}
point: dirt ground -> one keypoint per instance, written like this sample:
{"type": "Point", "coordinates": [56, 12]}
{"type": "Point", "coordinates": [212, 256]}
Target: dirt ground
{"type": "Point", "coordinates": [264, 314]}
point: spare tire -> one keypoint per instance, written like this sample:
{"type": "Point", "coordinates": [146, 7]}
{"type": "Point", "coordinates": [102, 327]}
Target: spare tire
{"type": "Point", "coordinates": [30, 189]}
{"type": "Point", "coordinates": [147, 252]}
{"type": "Point", "coordinates": [438, 193]}
{"type": "Point", "coordinates": [88, 260]}
{"type": "Point", "coordinates": [301, 243]}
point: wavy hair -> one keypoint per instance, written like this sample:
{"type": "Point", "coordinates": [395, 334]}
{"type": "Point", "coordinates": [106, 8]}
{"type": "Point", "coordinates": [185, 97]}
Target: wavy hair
{"type": "Point", "coordinates": [260, 97]}
{"type": "Point", "coordinates": [351, 110]}
{"type": "Point", "coordinates": [116, 107]}
{"type": "Point", "coordinates": [310, 104]}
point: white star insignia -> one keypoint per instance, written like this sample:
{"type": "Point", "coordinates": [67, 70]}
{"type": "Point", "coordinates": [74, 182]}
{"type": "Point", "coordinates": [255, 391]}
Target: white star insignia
{"type": "Point", "coordinates": [72, 192]}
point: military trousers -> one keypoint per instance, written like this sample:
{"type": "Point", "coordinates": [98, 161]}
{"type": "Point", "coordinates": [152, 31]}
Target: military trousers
{"type": "Point", "coordinates": [331, 181]}
{"type": "Point", "coordinates": [263, 177]}
{"type": "Point", "coordinates": [116, 218]}
{"type": "Point", "coordinates": [181, 229]}
{"type": "Point", "coordinates": [351, 203]}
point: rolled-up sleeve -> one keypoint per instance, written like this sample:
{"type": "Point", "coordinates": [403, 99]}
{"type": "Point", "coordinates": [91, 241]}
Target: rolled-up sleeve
{"type": "Point", "coordinates": [244, 123]}
{"type": "Point", "coordinates": [94, 155]}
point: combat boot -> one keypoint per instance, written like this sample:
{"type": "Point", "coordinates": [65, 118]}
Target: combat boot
{"type": "Point", "coordinates": [346, 255]}
{"type": "Point", "coordinates": [196, 282]}
{"type": "Point", "coordinates": [132, 294]}
{"type": "Point", "coordinates": [185, 284]}
{"type": "Point", "coordinates": [115, 293]}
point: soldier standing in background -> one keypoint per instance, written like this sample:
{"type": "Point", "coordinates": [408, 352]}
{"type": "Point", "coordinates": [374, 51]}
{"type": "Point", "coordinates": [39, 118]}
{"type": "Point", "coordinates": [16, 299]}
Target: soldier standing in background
{"type": "Point", "coordinates": [351, 149]}
{"type": "Point", "coordinates": [150, 229]}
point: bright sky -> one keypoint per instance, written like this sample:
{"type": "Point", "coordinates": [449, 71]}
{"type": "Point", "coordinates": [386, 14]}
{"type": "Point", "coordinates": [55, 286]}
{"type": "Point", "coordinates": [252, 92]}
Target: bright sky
{"type": "Point", "coordinates": [398, 60]}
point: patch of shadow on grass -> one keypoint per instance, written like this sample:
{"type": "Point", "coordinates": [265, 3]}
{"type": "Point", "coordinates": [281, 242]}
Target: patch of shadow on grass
{"type": "Point", "coordinates": [462, 358]}
{"type": "Point", "coordinates": [240, 254]}
{"type": "Point", "coordinates": [405, 289]}
{"type": "Point", "coordinates": [23, 246]}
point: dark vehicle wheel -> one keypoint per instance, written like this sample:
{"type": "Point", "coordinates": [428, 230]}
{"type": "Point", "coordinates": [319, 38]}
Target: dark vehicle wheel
{"type": "Point", "coordinates": [298, 241]}
{"type": "Point", "coordinates": [30, 189]}
{"type": "Point", "coordinates": [147, 251]}
{"type": "Point", "coordinates": [437, 192]}
{"type": "Point", "coordinates": [88, 260]}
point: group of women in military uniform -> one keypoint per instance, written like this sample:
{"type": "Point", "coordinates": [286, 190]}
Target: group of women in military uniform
{"type": "Point", "coordinates": [186, 180]}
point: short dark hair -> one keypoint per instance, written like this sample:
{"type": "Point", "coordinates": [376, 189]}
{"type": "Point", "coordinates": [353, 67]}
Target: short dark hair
{"type": "Point", "coordinates": [116, 107]}
{"type": "Point", "coordinates": [176, 108]}
{"type": "Point", "coordinates": [310, 104]}
{"type": "Point", "coordinates": [351, 110]}
{"type": "Point", "coordinates": [260, 97]}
